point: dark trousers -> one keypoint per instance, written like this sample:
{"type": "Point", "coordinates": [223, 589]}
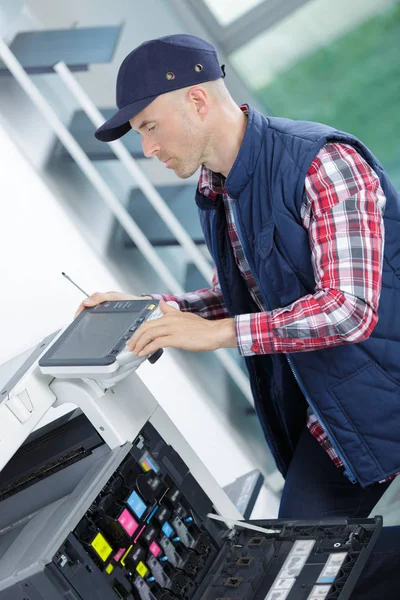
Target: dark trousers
{"type": "Point", "coordinates": [316, 488]}
{"type": "Point", "coordinates": [380, 579]}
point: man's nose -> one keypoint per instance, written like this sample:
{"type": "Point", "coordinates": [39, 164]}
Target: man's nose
{"type": "Point", "coordinates": [150, 148]}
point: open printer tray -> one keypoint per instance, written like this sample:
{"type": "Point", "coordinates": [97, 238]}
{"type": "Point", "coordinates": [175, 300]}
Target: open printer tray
{"type": "Point", "coordinates": [135, 526]}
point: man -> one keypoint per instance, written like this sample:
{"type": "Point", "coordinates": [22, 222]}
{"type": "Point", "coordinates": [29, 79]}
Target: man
{"type": "Point", "coordinates": [303, 225]}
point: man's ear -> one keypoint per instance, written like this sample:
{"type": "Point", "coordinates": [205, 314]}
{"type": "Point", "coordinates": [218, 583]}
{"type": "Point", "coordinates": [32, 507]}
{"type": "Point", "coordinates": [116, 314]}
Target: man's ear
{"type": "Point", "coordinates": [199, 99]}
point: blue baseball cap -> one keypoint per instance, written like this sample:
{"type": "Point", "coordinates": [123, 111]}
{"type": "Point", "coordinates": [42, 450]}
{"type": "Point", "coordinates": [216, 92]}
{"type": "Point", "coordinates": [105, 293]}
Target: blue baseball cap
{"type": "Point", "coordinates": [157, 67]}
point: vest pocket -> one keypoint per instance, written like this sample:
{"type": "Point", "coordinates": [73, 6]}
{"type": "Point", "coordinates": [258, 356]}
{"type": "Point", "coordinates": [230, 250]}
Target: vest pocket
{"type": "Point", "coordinates": [265, 240]}
{"type": "Point", "coordinates": [274, 268]}
{"type": "Point", "coordinates": [370, 436]}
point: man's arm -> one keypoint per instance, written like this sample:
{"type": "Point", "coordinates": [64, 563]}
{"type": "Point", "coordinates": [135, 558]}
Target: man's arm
{"type": "Point", "coordinates": [342, 211]}
{"type": "Point", "coordinates": [343, 206]}
{"type": "Point", "coordinates": [207, 303]}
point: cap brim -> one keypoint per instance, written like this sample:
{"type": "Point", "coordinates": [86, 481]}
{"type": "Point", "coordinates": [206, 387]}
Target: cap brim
{"type": "Point", "coordinates": [119, 124]}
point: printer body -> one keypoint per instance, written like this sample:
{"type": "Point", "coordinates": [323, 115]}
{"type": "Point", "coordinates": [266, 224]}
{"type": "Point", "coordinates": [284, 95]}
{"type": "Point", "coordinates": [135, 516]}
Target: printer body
{"type": "Point", "coordinates": [110, 501]}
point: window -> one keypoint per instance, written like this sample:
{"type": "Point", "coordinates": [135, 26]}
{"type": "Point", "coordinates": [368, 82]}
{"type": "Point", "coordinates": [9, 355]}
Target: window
{"type": "Point", "coordinates": [227, 11]}
{"type": "Point", "coordinates": [333, 62]}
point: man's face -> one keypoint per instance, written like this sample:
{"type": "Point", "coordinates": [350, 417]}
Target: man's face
{"type": "Point", "coordinates": [172, 132]}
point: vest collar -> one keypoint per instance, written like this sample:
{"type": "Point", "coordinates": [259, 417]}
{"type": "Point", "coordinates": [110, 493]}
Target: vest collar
{"type": "Point", "coordinates": [243, 168]}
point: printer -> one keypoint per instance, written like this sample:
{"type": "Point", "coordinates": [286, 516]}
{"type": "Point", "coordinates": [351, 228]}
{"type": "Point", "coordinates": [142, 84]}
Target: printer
{"type": "Point", "coordinates": [109, 500]}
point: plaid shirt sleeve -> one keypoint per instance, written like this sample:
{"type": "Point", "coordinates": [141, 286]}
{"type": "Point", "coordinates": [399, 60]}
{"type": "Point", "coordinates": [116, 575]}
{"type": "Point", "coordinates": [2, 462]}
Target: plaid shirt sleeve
{"type": "Point", "coordinates": [342, 210]}
{"type": "Point", "coordinates": [207, 303]}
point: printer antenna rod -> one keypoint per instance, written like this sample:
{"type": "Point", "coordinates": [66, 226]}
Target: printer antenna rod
{"type": "Point", "coordinates": [75, 284]}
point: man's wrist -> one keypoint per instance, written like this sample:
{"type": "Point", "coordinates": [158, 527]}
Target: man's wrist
{"type": "Point", "coordinates": [226, 333]}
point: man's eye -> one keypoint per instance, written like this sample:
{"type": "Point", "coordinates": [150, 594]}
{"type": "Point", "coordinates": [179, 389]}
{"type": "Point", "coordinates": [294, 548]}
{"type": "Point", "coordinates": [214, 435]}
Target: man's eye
{"type": "Point", "coordinates": [151, 128]}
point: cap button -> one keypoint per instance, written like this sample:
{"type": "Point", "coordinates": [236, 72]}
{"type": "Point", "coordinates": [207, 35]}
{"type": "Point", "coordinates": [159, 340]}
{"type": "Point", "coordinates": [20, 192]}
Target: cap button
{"type": "Point", "coordinates": [170, 75]}
{"type": "Point", "coordinates": [198, 68]}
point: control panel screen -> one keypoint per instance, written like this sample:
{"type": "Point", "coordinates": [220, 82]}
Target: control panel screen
{"type": "Point", "coordinates": [95, 335]}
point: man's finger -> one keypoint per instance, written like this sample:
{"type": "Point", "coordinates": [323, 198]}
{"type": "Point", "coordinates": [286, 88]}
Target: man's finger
{"type": "Point", "coordinates": [97, 298]}
{"type": "Point", "coordinates": [141, 338]}
{"type": "Point", "coordinates": [161, 342]}
{"type": "Point", "coordinates": [80, 309]}
{"type": "Point", "coordinates": [157, 327]}
{"type": "Point", "coordinates": [100, 297]}
{"type": "Point", "coordinates": [167, 308]}
{"type": "Point", "coordinates": [92, 300]}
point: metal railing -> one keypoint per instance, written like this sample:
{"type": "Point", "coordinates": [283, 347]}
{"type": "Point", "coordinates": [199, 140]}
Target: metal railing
{"type": "Point", "coordinates": [106, 193]}
{"type": "Point", "coordinates": [140, 179]}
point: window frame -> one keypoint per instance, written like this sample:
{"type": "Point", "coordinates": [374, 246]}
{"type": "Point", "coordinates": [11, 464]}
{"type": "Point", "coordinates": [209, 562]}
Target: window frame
{"type": "Point", "coordinates": [245, 28]}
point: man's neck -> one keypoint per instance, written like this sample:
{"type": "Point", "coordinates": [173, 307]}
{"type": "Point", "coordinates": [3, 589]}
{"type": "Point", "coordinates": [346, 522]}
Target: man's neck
{"type": "Point", "coordinates": [227, 140]}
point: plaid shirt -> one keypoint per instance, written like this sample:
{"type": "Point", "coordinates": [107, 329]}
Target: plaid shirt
{"type": "Point", "coordinates": [342, 210]}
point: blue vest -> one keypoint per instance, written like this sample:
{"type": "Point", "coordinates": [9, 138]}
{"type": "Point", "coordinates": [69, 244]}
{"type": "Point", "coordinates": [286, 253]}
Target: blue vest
{"type": "Point", "coordinates": [354, 389]}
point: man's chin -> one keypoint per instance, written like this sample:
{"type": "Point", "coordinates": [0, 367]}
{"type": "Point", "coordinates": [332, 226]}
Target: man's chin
{"type": "Point", "coordinates": [184, 174]}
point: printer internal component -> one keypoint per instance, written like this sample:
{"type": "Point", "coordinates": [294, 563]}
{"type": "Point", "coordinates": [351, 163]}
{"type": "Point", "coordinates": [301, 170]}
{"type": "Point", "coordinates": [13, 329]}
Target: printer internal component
{"type": "Point", "coordinates": [146, 536]}
{"type": "Point", "coordinates": [141, 532]}
{"type": "Point", "coordinates": [137, 529]}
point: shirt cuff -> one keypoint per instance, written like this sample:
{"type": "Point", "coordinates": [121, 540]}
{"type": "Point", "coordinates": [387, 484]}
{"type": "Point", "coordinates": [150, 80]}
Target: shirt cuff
{"type": "Point", "coordinates": [254, 334]}
{"type": "Point", "coordinates": [164, 297]}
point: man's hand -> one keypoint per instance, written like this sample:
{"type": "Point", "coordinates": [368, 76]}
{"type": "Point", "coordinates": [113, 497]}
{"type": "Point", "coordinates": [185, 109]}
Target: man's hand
{"type": "Point", "coordinates": [99, 297]}
{"type": "Point", "coordinates": [183, 330]}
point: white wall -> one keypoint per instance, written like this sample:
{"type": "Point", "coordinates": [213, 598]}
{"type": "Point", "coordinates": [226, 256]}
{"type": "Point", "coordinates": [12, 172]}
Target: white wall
{"type": "Point", "coordinates": [9, 11]}
{"type": "Point", "coordinates": [38, 240]}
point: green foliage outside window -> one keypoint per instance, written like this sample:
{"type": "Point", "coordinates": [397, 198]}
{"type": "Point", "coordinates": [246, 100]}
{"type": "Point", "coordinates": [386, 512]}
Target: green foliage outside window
{"type": "Point", "coordinates": [353, 85]}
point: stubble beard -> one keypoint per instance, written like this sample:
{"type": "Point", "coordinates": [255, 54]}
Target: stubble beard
{"type": "Point", "coordinates": [187, 166]}
{"type": "Point", "coordinates": [186, 170]}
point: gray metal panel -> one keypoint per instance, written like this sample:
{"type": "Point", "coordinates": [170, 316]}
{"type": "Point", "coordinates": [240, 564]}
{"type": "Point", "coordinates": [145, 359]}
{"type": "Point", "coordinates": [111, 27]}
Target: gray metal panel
{"type": "Point", "coordinates": [244, 29]}
{"type": "Point", "coordinates": [83, 129]}
{"type": "Point", "coordinates": [34, 498]}
{"type": "Point", "coordinates": [257, 21]}
{"type": "Point", "coordinates": [198, 24]}
{"type": "Point", "coordinates": [194, 280]}
{"type": "Point", "coordinates": [39, 51]}
{"type": "Point", "coordinates": [45, 530]}
{"type": "Point", "coordinates": [244, 491]}
{"type": "Point", "coordinates": [181, 200]}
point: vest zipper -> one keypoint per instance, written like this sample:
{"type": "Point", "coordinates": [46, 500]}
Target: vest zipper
{"type": "Point", "coordinates": [348, 471]}
{"type": "Point", "coordinates": [222, 285]}
{"type": "Point", "coordinates": [216, 258]}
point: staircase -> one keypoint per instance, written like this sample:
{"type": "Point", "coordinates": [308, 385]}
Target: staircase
{"type": "Point", "coordinates": [39, 51]}
{"type": "Point", "coordinates": [82, 129]}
